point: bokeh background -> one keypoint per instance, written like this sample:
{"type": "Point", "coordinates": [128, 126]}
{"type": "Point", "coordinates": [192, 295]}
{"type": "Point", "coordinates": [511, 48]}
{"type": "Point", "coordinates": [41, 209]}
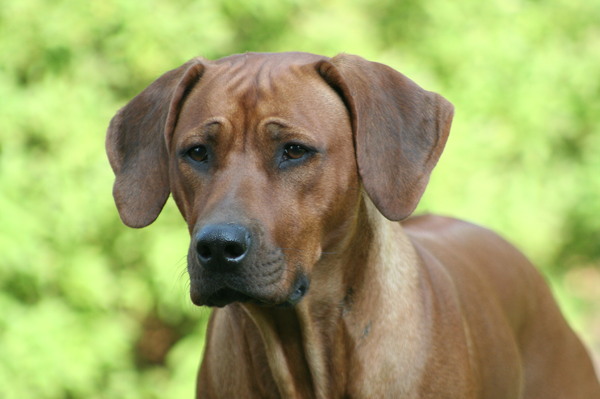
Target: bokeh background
{"type": "Point", "coordinates": [92, 309]}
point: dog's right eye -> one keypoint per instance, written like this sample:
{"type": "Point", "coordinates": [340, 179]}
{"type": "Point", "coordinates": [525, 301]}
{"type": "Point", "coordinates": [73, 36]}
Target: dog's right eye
{"type": "Point", "coordinates": [294, 151]}
{"type": "Point", "coordinates": [198, 153]}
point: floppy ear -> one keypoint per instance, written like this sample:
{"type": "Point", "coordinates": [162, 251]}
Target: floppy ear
{"type": "Point", "coordinates": [399, 128]}
{"type": "Point", "coordinates": [136, 146]}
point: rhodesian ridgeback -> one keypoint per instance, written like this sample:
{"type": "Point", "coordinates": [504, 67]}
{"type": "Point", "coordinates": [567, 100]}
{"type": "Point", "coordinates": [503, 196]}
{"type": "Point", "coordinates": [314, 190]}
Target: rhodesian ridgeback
{"type": "Point", "coordinates": [292, 171]}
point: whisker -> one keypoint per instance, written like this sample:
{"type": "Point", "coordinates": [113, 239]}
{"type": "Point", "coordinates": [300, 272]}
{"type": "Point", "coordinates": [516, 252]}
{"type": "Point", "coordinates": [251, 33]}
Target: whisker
{"type": "Point", "coordinates": [292, 249]}
{"type": "Point", "coordinates": [301, 250]}
{"type": "Point", "coordinates": [182, 263]}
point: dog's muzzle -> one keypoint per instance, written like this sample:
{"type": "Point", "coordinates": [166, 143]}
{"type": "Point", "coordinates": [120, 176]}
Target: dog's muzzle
{"type": "Point", "coordinates": [227, 262]}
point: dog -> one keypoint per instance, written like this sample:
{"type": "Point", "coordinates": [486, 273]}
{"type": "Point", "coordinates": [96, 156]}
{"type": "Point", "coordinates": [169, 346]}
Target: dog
{"type": "Point", "coordinates": [296, 174]}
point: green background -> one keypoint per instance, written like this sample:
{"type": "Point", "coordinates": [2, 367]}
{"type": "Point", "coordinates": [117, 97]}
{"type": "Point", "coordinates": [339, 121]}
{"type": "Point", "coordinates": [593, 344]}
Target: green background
{"type": "Point", "coordinates": [92, 309]}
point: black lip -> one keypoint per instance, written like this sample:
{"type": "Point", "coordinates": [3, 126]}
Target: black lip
{"type": "Point", "coordinates": [226, 295]}
{"type": "Point", "coordinates": [299, 290]}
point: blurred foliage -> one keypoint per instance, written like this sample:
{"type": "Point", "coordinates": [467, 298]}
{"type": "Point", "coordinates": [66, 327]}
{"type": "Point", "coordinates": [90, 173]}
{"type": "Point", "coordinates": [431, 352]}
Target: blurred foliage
{"type": "Point", "coordinates": [91, 309]}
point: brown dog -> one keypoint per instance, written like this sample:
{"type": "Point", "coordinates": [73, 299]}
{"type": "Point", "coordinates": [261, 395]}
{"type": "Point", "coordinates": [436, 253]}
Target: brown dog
{"type": "Point", "coordinates": [288, 169]}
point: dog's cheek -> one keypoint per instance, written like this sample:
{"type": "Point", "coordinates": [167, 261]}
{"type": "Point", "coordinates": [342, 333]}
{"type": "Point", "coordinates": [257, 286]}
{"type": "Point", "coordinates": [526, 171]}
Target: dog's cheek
{"type": "Point", "coordinates": [338, 223]}
{"type": "Point", "coordinates": [297, 232]}
{"type": "Point", "coordinates": [186, 190]}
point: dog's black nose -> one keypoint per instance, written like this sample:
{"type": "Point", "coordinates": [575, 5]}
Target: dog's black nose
{"type": "Point", "coordinates": [222, 247]}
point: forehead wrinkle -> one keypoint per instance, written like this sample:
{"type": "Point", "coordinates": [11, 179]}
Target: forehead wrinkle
{"type": "Point", "coordinates": [247, 74]}
{"type": "Point", "coordinates": [278, 129]}
{"type": "Point", "coordinates": [250, 90]}
{"type": "Point", "coordinates": [247, 92]}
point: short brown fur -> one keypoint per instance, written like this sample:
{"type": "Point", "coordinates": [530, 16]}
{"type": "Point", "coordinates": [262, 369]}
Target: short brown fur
{"type": "Point", "coordinates": [428, 308]}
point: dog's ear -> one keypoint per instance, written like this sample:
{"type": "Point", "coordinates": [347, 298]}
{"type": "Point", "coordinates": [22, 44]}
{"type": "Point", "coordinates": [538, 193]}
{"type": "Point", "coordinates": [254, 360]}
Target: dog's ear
{"type": "Point", "coordinates": [137, 149]}
{"type": "Point", "coordinates": [400, 130]}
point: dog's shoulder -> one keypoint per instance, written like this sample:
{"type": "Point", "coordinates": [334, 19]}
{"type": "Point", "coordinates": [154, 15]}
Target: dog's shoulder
{"type": "Point", "coordinates": [437, 234]}
{"type": "Point", "coordinates": [432, 226]}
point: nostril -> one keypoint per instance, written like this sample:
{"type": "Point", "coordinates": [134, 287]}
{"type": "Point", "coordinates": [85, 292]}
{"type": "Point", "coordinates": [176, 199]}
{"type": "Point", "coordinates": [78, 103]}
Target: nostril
{"type": "Point", "coordinates": [233, 250]}
{"type": "Point", "coordinates": [222, 246]}
{"type": "Point", "coordinates": [204, 251]}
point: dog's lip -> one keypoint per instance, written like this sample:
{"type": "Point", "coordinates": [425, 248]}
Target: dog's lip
{"type": "Point", "coordinates": [299, 290]}
{"type": "Point", "coordinates": [226, 295]}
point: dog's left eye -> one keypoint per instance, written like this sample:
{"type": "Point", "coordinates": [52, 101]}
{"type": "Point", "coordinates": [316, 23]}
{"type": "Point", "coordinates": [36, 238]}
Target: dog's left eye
{"type": "Point", "coordinates": [294, 151]}
{"type": "Point", "coordinates": [198, 153]}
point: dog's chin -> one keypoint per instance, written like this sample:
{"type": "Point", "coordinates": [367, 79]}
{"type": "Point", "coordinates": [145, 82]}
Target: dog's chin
{"type": "Point", "coordinates": [225, 295]}
{"type": "Point", "coordinates": [221, 298]}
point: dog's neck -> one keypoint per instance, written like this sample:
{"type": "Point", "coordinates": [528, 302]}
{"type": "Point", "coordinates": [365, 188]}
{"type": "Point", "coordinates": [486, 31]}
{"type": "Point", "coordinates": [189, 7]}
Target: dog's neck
{"type": "Point", "coordinates": [325, 328]}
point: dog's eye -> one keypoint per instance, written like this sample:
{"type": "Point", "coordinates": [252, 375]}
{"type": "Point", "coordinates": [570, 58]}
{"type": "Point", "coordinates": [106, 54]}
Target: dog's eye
{"type": "Point", "coordinates": [198, 153]}
{"type": "Point", "coordinates": [294, 151]}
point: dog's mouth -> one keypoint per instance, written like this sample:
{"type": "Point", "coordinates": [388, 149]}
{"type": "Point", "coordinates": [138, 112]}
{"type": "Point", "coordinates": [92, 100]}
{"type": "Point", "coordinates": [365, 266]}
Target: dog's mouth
{"type": "Point", "coordinates": [227, 295]}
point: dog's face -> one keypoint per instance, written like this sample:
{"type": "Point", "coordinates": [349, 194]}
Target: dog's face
{"type": "Point", "coordinates": [267, 156]}
{"type": "Point", "coordinates": [262, 167]}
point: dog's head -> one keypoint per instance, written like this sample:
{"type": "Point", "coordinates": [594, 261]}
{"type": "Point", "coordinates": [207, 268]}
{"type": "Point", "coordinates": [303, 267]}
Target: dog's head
{"type": "Point", "coordinates": [265, 156]}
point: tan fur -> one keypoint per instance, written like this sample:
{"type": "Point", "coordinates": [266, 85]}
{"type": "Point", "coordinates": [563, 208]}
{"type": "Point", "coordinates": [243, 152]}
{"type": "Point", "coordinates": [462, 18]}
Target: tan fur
{"type": "Point", "coordinates": [428, 308]}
